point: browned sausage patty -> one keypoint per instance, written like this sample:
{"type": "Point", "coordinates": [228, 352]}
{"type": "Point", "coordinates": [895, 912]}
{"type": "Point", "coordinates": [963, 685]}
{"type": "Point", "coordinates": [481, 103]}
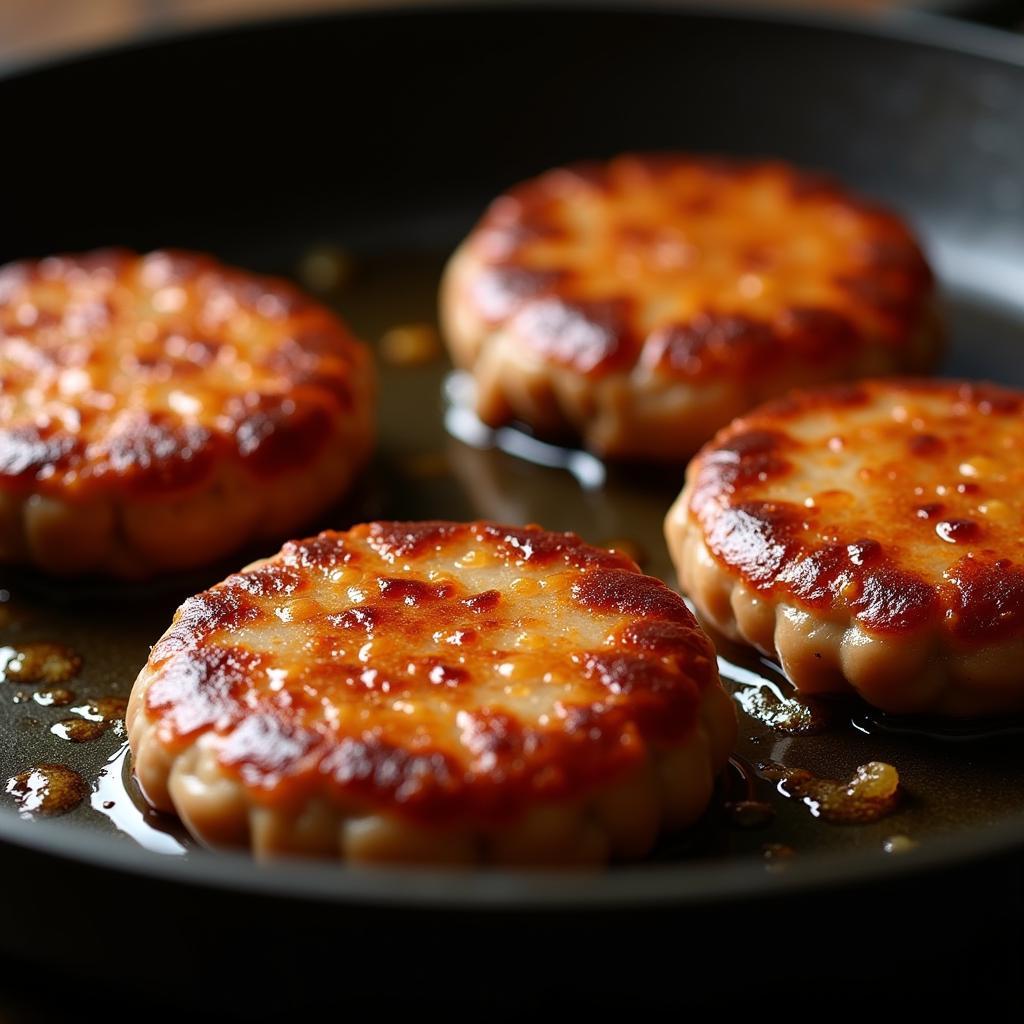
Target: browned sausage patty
{"type": "Point", "coordinates": [870, 536]}
{"type": "Point", "coordinates": [160, 411]}
{"type": "Point", "coordinates": [643, 303]}
{"type": "Point", "coordinates": [459, 692]}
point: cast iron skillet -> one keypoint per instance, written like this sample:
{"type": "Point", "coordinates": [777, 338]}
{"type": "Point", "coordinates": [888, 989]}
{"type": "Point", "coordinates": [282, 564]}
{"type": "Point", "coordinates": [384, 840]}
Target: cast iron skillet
{"type": "Point", "coordinates": [387, 132]}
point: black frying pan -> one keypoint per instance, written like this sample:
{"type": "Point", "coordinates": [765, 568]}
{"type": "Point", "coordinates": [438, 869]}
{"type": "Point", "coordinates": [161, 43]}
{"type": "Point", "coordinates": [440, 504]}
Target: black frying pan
{"type": "Point", "coordinates": [387, 133]}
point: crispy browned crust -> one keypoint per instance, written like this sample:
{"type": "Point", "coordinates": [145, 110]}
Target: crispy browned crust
{"type": "Point", "coordinates": [367, 673]}
{"type": "Point", "coordinates": [692, 286]}
{"type": "Point", "coordinates": [869, 535]}
{"type": "Point", "coordinates": [133, 383]}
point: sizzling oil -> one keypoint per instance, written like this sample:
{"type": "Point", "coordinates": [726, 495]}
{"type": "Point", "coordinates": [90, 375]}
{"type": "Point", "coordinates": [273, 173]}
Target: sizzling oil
{"type": "Point", "coordinates": [39, 663]}
{"type": "Point", "coordinates": [870, 794]}
{"type": "Point", "coordinates": [78, 730]}
{"type": "Point", "coordinates": [47, 789]}
{"type": "Point", "coordinates": [116, 796]}
{"type": "Point", "coordinates": [53, 696]}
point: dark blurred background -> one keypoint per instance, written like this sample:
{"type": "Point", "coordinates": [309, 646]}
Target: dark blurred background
{"type": "Point", "coordinates": [36, 29]}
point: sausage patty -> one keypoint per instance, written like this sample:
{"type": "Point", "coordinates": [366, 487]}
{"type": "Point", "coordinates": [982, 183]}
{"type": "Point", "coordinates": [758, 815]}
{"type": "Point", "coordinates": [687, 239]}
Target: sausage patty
{"type": "Point", "coordinates": [641, 304]}
{"type": "Point", "coordinates": [452, 692]}
{"type": "Point", "coordinates": [869, 535]}
{"type": "Point", "coordinates": [159, 411]}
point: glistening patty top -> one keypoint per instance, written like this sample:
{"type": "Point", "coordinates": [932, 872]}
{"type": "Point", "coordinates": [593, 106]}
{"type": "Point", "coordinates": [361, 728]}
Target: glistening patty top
{"type": "Point", "coordinates": [694, 268]}
{"type": "Point", "coordinates": [120, 371]}
{"type": "Point", "coordinates": [901, 501]}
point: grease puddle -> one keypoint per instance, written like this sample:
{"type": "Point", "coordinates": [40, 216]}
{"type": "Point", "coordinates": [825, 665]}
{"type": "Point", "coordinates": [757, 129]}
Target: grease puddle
{"type": "Point", "coordinates": [872, 793]}
{"type": "Point", "coordinates": [768, 697]}
{"type": "Point", "coordinates": [46, 790]}
{"type": "Point", "coordinates": [115, 795]}
{"type": "Point", "coordinates": [464, 425]}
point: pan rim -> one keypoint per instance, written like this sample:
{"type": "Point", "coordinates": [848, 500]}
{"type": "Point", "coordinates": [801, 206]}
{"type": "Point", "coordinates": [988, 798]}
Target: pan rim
{"type": "Point", "coordinates": [640, 886]}
{"type": "Point", "coordinates": [913, 27]}
{"type": "Point", "coordinates": [645, 885]}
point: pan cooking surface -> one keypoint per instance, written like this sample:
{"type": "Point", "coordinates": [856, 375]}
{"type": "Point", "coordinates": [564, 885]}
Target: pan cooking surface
{"type": "Point", "coordinates": [951, 780]}
{"type": "Point", "coordinates": [955, 784]}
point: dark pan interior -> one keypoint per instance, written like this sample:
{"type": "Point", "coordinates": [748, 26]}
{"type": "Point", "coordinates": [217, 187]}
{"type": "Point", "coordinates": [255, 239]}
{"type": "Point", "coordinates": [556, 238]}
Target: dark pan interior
{"type": "Point", "coordinates": [386, 134]}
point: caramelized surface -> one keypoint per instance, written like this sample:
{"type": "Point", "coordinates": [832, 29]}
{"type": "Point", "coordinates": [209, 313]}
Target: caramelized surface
{"type": "Point", "coordinates": [121, 371]}
{"type": "Point", "coordinates": [900, 500]}
{"type": "Point", "coordinates": [447, 670]}
{"type": "Point", "coordinates": [694, 267]}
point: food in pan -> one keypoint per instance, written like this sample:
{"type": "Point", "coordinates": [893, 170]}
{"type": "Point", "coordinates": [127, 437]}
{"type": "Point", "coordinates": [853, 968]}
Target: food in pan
{"type": "Point", "coordinates": [434, 692]}
{"type": "Point", "coordinates": [869, 536]}
{"type": "Point", "coordinates": [160, 411]}
{"type": "Point", "coordinates": [643, 303]}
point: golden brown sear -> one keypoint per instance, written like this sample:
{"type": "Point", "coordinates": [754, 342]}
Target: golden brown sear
{"type": "Point", "coordinates": [641, 304]}
{"type": "Point", "coordinates": [448, 692]}
{"type": "Point", "coordinates": [160, 411]}
{"type": "Point", "coordinates": [869, 535]}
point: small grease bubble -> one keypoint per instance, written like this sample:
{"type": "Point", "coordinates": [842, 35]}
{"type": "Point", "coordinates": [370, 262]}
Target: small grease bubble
{"type": "Point", "coordinates": [898, 844]}
{"type": "Point", "coordinates": [78, 730]}
{"type": "Point", "coordinates": [623, 546]}
{"type": "Point", "coordinates": [325, 268]}
{"type": "Point", "coordinates": [53, 696]}
{"type": "Point", "coordinates": [410, 345]}
{"type": "Point", "coordinates": [750, 813]}
{"type": "Point", "coordinates": [47, 789]}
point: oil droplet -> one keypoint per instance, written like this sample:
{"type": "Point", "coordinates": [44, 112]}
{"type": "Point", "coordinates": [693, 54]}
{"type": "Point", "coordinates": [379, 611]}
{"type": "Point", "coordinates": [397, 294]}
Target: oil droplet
{"type": "Point", "coordinates": [898, 844]}
{"type": "Point", "coordinates": [629, 548]}
{"type": "Point", "coordinates": [996, 510]}
{"type": "Point", "coordinates": [53, 696]}
{"type": "Point", "coordinates": [47, 789]}
{"type": "Point", "coordinates": [410, 345]}
{"type": "Point", "coordinates": [979, 466]}
{"type": "Point", "coordinates": [777, 855]}
{"type": "Point", "coordinates": [39, 663]}
{"type": "Point", "coordinates": [750, 813]}
{"type": "Point", "coordinates": [102, 709]}
{"type": "Point", "coordinates": [325, 268]}
{"type": "Point", "coordinates": [958, 531]}
{"type": "Point", "coordinates": [78, 730]}
{"type": "Point", "coordinates": [869, 795]}
{"type": "Point", "coordinates": [767, 704]}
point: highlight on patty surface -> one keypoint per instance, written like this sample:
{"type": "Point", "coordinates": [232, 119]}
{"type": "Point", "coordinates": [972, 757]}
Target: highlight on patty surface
{"type": "Point", "coordinates": [869, 536]}
{"type": "Point", "coordinates": [158, 412]}
{"type": "Point", "coordinates": [642, 303]}
{"type": "Point", "coordinates": [434, 692]}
